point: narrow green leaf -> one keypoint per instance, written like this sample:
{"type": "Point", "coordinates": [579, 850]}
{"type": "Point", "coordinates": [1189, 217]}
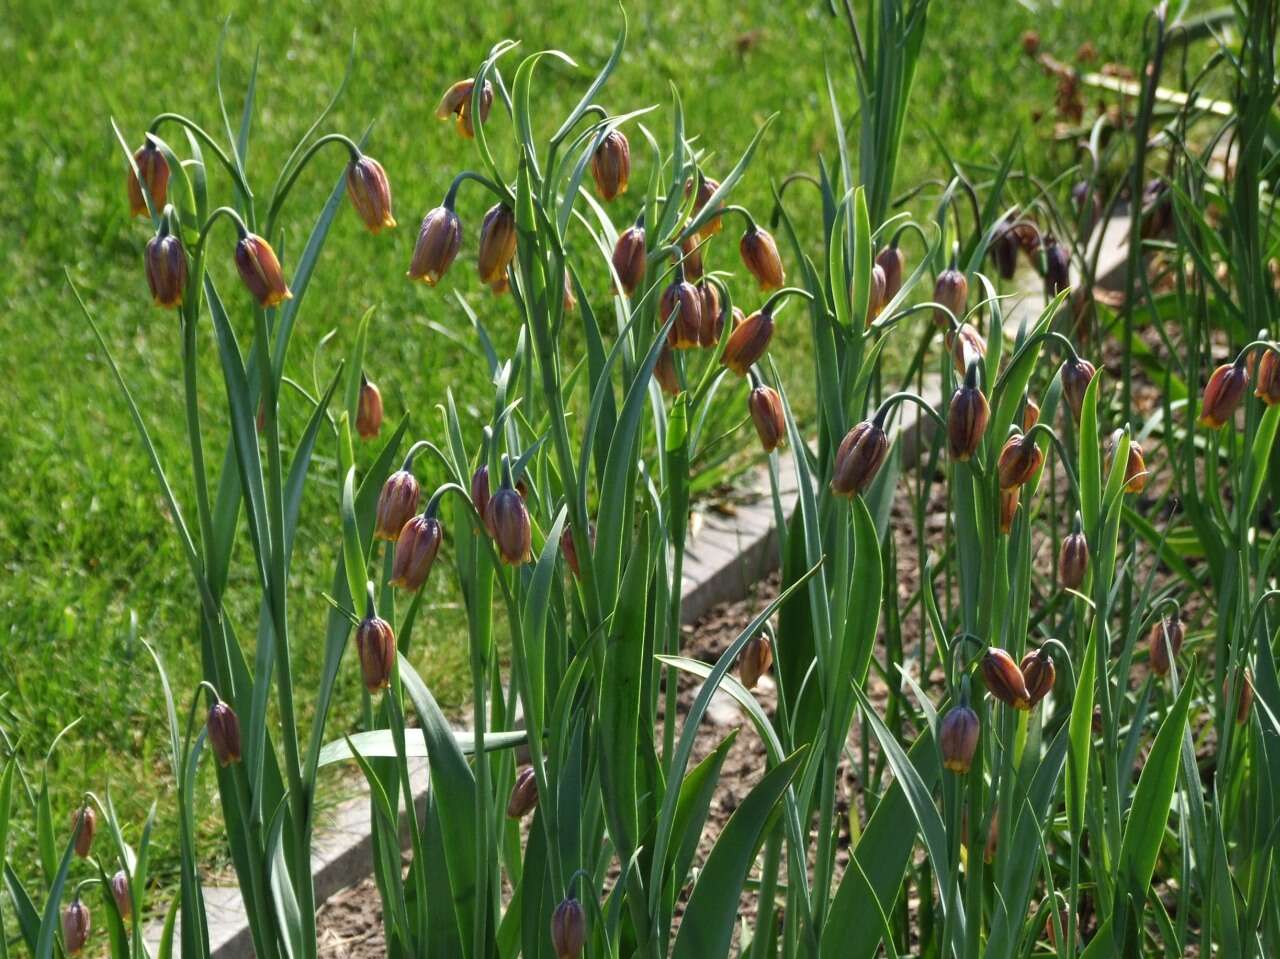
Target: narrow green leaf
{"type": "Point", "coordinates": [920, 800]}
{"type": "Point", "coordinates": [1148, 816]}
{"type": "Point", "coordinates": [707, 928]}
{"type": "Point", "coordinates": [1260, 454]}
{"type": "Point", "coordinates": [455, 794]}
{"type": "Point", "coordinates": [1081, 725]}
{"type": "Point", "coordinates": [51, 919]}
{"type": "Point", "coordinates": [380, 744]}
{"type": "Point", "coordinates": [353, 551]}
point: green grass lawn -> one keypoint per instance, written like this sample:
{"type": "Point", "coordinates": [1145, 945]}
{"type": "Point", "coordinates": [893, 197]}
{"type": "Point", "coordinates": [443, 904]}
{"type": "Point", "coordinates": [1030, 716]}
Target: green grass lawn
{"type": "Point", "coordinates": [90, 563]}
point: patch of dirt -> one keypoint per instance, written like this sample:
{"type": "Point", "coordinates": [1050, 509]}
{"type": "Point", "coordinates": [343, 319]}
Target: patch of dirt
{"type": "Point", "coordinates": [349, 925]}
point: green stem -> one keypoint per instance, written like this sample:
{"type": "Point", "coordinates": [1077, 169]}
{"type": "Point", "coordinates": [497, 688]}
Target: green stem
{"type": "Point", "coordinates": [232, 169]}
{"type": "Point", "coordinates": [281, 194]}
{"type": "Point", "coordinates": [277, 585]}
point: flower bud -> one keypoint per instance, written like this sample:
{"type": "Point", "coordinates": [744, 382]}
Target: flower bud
{"type": "Point", "coordinates": [1086, 201]}
{"type": "Point", "coordinates": [875, 293]}
{"type": "Point", "coordinates": [439, 238]}
{"type": "Point", "coordinates": [1077, 374]}
{"type": "Point", "coordinates": [397, 503]}
{"type": "Point", "coordinates": [1057, 267]}
{"type": "Point", "coordinates": [480, 489]}
{"type": "Point", "coordinates": [629, 260]}
{"type": "Point", "coordinates": [706, 190]}
{"type": "Point", "coordinates": [1268, 378]}
{"type": "Point", "coordinates": [153, 169]}
{"type": "Point", "coordinates": [755, 660]}
{"type": "Point", "coordinates": [568, 929]}
{"type": "Point", "coordinates": [958, 738]}
{"type": "Point", "coordinates": [369, 410]}
{"type": "Point", "coordinates": [1004, 679]}
{"type": "Point", "coordinates": [260, 271]}
{"type": "Point", "coordinates": [611, 165]}
{"type": "Point", "coordinates": [1019, 460]}
{"type": "Point", "coordinates": [738, 319]}
{"type": "Point", "coordinates": [570, 302]}
{"type": "Point", "coordinates": [760, 255]}
{"type": "Point", "coordinates": [1135, 470]}
{"type": "Point", "coordinates": [993, 839]}
{"type": "Point", "coordinates": [710, 321]}
{"type": "Point", "coordinates": [748, 342]}
{"type": "Point", "coordinates": [507, 519]}
{"type": "Point", "coordinates": [84, 823]}
{"type": "Point", "coordinates": [524, 794]}
{"type": "Point", "coordinates": [75, 927]}
{"type": "Point", "coordinates": [664, 371]}
{"type": "Point", "coordinates": [376, 646]}
{"type": "Point", "coordinates": [120, 893]}
{"type": "Point", "coordinates": [222, 729]}
{"type": "Point", "coordinates": [570, 549]}
{"type": "Point", "coordinates": [682, 300]}
{"type": "Point", "coordinates": [1008, 508]}
{"type": "Point", "coordinates": [1245, 706]}
{"type": "Point", "coordinates": [1073, 560]}
{"type": "Point", "coordinates": [891, 262]}
{"type": "Point", "coordinates": [952, 291]}
{"type": "Point", "coordinates": [691, 258]}
{"type": "Point", "coordinates": [370, 193]}
{"type": "Point", "coordinates": [967, 345]}
{"type": "Point", "coordinates": [416, 551]}
{"type": "Point", "coordinates": [497, 243]}
{"type": "Point", "coordinates": [166, 266]}
{"type": "Point", "coordinates": [1004, 248]}
{"type": "Point", "coordinates": [457, 100]}
{"type": "Point", "coordinates": [1167, 628]}
{"type": "Point", "coordinates": [1052, 935]}
{"type": "Point", "coordinates": [1222, 394]}
{"type": "Point", "coordinates": [1135, 467]}
{"type": "Point", "coordinates": [858, 459]}
{"type": "Point", "coordinates": [765, 407]}
{"type": "Point", "coordinates": [966, 420]}
{"type": "Point", "coordinates": [1030, 414]}
{"type": "Point", "coordinates": [1157, 209]}
{"type": "Point", "coordinates": [1038, 674]}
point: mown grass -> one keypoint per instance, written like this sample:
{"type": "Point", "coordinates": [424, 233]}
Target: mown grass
{"type": "Point", "coordinates": [90, 565]}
